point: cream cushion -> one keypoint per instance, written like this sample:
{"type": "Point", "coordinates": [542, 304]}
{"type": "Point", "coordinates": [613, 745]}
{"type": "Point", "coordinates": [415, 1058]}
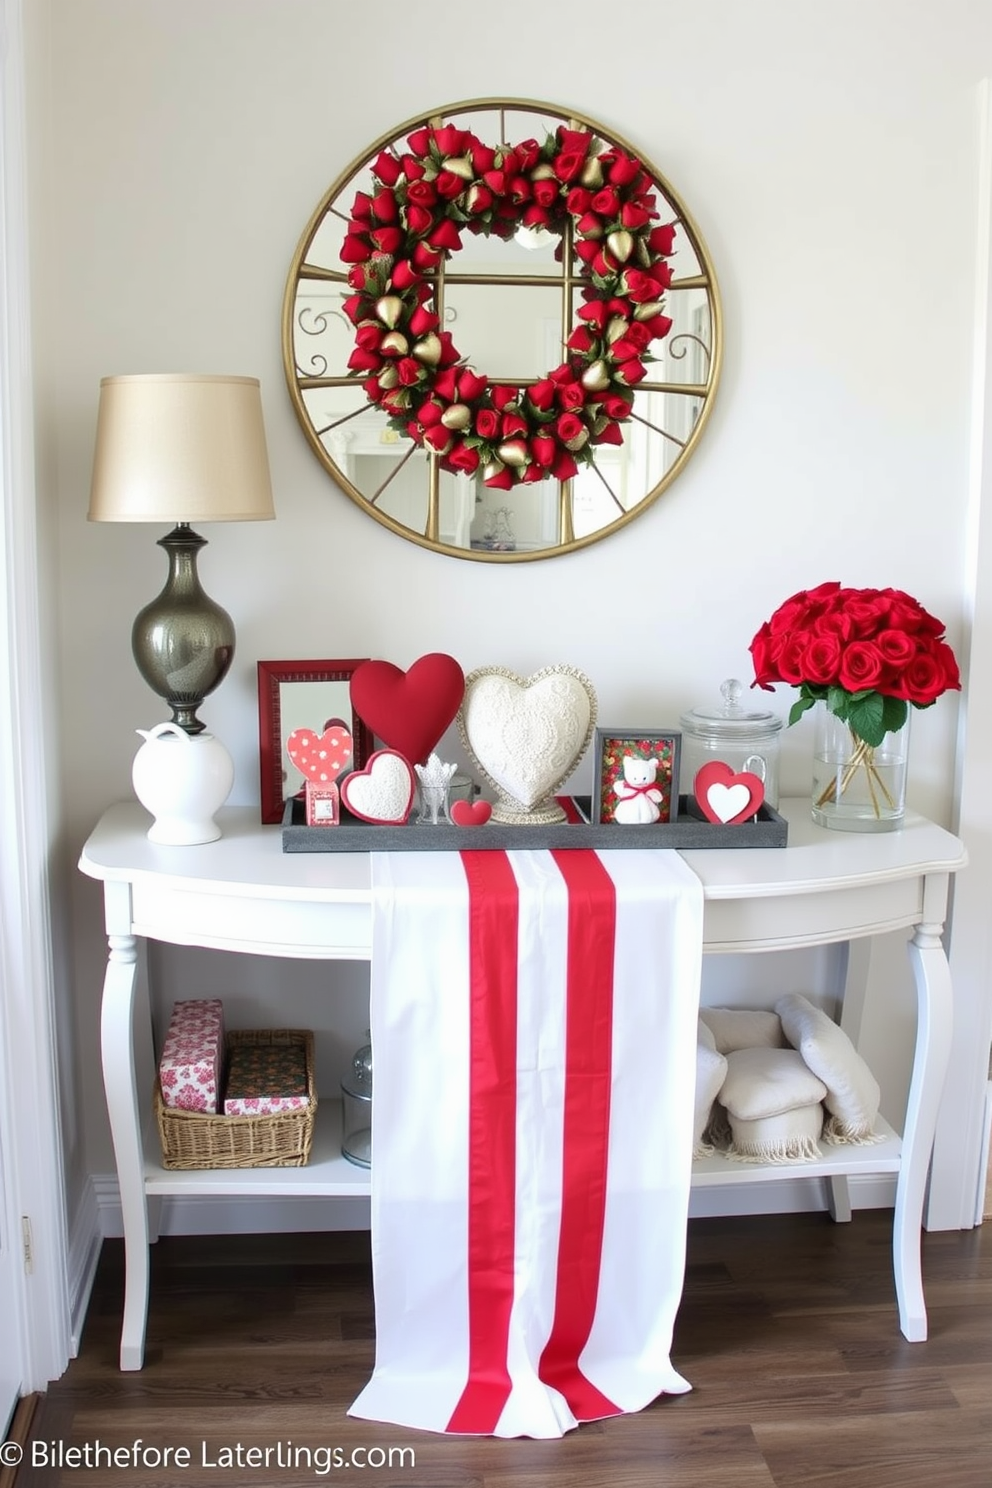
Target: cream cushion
{"type": "Point", "coordinates": [711, 1068]}
{"type": "Point", "coordinates": [743, 1028]}
{"type": "Point", "coordinates": [788, 1137]}
{"type": "Point", "coordinates": [853, 1094]}
{"type": "Point", "coordinates": [768, 1082]}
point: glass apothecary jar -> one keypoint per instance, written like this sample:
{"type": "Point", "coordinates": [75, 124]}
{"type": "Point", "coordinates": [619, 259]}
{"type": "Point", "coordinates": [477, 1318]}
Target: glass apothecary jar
{"type": "Point", "coordinates": [356, 1090]}
{"type": "Point", "coordinates": [741, 737]}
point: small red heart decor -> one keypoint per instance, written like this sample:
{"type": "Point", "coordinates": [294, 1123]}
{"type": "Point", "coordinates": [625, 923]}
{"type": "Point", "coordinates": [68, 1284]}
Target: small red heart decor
{"type": "Point", "coordinates": [470, 813]}
{"type": "Point", "coordinates": [382, 793]}
{"type": "Point", "coordinates": [410, 710]}
{"type": "Point", "coordinates": [321, 757]}
{"type": "Point", "coordinates": [724, 796]}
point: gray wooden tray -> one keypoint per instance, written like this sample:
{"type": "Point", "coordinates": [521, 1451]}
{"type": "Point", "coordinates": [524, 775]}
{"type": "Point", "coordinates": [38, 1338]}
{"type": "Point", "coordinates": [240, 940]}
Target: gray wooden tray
{"type": "Point", "coordinates": [689, 830]}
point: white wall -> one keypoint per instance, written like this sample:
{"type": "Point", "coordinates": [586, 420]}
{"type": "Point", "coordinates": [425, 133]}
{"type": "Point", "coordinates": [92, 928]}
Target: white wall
{"type": "Point", "coordinates": [828, 154]}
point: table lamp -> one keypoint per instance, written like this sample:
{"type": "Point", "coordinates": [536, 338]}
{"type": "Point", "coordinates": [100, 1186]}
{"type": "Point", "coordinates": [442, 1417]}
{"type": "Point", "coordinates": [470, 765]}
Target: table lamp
{"type": "Point", "coordinates": [181, 448]}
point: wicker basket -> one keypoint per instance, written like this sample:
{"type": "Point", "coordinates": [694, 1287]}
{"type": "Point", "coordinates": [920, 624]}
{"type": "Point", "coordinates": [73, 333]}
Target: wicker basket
{"type": "Point", "coordinates": [196, 1139]}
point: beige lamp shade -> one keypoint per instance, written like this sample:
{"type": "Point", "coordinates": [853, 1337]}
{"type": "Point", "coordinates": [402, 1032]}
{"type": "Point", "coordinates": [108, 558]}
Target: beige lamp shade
{"type": "Point", "coordinates": [178, 448]}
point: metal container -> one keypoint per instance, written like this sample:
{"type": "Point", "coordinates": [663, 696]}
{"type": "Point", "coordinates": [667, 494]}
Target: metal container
{"type": "Point", "coordinates": [743, 738]}
{"type": "Point", "coordinates": [356, 1090]}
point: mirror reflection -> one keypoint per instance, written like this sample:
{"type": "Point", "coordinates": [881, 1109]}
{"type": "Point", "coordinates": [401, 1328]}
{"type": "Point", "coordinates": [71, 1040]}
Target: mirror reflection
{"type": "Point", "coordinates": [510, 304]}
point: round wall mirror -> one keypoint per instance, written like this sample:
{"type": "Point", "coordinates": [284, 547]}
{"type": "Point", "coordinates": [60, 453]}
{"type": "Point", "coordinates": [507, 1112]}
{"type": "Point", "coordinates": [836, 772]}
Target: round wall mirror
{"type": "Point", "coordinates": [502, 331]}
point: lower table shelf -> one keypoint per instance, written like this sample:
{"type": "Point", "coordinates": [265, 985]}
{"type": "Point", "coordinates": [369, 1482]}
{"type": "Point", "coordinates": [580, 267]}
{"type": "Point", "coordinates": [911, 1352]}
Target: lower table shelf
{"type": "Point", "coordinates": [329, 1175]}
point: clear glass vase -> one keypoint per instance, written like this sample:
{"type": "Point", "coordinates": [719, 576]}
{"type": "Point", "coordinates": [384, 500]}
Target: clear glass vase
{"type": "Point", "coordinates": [858, 787]}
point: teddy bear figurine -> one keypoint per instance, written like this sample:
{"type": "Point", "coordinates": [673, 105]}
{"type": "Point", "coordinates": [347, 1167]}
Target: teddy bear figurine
{"type": "Point", "coordinates": [638, 796]}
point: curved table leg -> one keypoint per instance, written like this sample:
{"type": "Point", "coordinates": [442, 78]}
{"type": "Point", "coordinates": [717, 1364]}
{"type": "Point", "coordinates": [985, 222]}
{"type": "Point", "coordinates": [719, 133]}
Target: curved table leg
{"type": "Point", "coordinates": [117, 1050]}
{"type": "Point", "coordinates": [933, 1045]}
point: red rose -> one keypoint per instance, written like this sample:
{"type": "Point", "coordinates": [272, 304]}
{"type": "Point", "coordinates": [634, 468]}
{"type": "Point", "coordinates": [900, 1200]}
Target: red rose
{"type": "Point", "coordinates": [586, 249]}
{"type": "Point", "coordinates": [581, 339]}
{"type": "Point", "coordinates": [866, 614]}
{"type": "Point", "coordinates": [535, 216]}
{"type": "Point", "coordinates": [658, 326]}
{"type": "Point", "coordinates": [511, 424]}
{"type": "Point", "coordinates": [361, 207]}
{"type": "Point", "coordinates": [611, 433]}
{"type": "Point", "coordinates": [410, 371]}
{"type": "Point", "coordinates": [422, 321]}
{"type": "Point", "coordinates": [616, 405]}
{"type": "Point", "coordinates": [420, 140]}
{"type": "Point", "coordinates": [451, 140]}
{"type": "Point", "coordinates": [445, 235]}
{"type": "Point", "coordinates": [424, 258]}
{"type": "Point", "coordinates": [564, 466]}
{"type": "Point", "coordinates": [624, 169]}
{"type": "Point", "coordinates": [354, 307]}
{"type": "Point", "coordinates": [368, 337]}
{"type": "Point", "coordinates": [387, 168]}
{"type": "Point", "coordinates": [596, 313]}
{"type": "Point", "coordinates": [789, 656]}
{"type": "Point", "coordinates": [528, 153]}
{"type": "Point", "coordinates": [572, 395]}
{"type": "Point", "coordinates": [639, 286]}
{"type": "Point", "coordinates": [362, 360]}
{"type": "Point", "coordinates": [438, 438]}
{"type": "Point", "coordinates": [574, 139]}
{"type": "Point", "coordinates": [496, 180]}
{"type": "Point", "coordinates": [606, 202]}
{"type": "Point", "coordinates": [421, 192]}
{"type": "Point", "coordinates": [578, 200]}
{"type": "Point", "coordinates": [662, 239]}
{"type": "Point", "coordinates": [923, 680]}
{"type": "Point", "coordinates": [355, 249]}
{"type": "Point", "coordinates": [419, 219]}
{"type": "Point", "coordinates": [569, 426]}
{"type": "Point", "coordinates": [542, 394]}
{"type": "Point", "coordinates": [487, 423]}
{"type": "Point", "coordinates": [501, 481]}
{"type": "Point", "coordinates": [546, 192]}
{"type": "Point", "coordinates": [630, 372]}
{"type": "Point", "coordinates": [568, 164]}
{"type": "Point", "coordinates": [861, 666]}
{"type": "Point", "coordinates": [544, 448]}
{"type": "Point", "coordinates": [470, 385]}
{"type": "Point", "coordinates": [633, 215]}
{"type": "Point", "coordinates": [384, 206]}
{"type": "Point", "coordinates": [388, 239]}
{"type": "Point", "coordinates": [478, 199]}
{"type": "Point", "coordinates": [896, 647]}
{"type": "Point", "coordinates": [482, 156]}
{"type": "Point", "coordinates": [413, 169]}
{"type": "Point", "coordinates": [404, 275]}
{"type": "Point", "coordinates": [822, 660]}
{"type": "Point", "coordinates": [762, 658]}
{"type": "Point", "coordinates": [449, 185]}
{"type": "Point", "coordinates": [464, 457]}
{"type": "Point", "coordinates": [502, 396]}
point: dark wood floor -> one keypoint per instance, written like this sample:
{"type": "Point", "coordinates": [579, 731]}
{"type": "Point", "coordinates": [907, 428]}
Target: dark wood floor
{"type": "Point", "coordinates": [787, 1331]}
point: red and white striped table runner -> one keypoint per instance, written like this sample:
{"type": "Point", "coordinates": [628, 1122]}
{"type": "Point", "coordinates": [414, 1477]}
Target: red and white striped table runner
{"type": "Point", "coordinates": [534, 1032]}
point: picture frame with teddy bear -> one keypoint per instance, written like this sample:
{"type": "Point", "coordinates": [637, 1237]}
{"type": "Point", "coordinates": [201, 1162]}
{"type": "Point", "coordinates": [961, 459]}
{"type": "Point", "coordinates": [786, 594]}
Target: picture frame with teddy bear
{"type": "Point", "coordinates": [635, 776]}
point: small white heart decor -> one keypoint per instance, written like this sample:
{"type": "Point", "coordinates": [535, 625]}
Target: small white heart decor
{"type": "Point", "coordinates": [383, 791]}
{"type": "Point", "coordinates": [526, 735]}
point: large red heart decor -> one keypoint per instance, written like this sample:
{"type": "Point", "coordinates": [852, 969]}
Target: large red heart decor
{"type": "Point", "coordinates": [409, 710]}
{"type": "Point", "coordinates": [725, 796]}
{"type": "Point", "coordinates": [321, 757]}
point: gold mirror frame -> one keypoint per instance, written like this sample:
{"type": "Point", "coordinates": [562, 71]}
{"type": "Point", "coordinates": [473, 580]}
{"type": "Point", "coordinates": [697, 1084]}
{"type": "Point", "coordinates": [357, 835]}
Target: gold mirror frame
{"type": "Point", "coordinates": [318, 277]}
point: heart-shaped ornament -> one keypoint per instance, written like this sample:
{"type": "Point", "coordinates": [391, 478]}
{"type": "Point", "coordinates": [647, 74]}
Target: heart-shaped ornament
{"type": "Point", "coordinates": [321, 757]}
{"type": "Point", "coordinates": [381, 793]}
{"type": "Point", "coordinates": [470, 813]}
{"type": "Point", "coordinates": [725, 796]}
{"type": "Point", "coordinates": [409, 711]}
{"type": "Point", "coordinates": [526, 735]}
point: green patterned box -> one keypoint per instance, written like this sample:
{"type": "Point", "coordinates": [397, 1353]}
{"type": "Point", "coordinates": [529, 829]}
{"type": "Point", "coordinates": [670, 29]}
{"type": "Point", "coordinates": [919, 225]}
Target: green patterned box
{"type": "Point", "coordinates": [265, 1079]}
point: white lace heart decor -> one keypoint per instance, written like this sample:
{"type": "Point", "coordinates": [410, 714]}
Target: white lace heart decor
{"type": "Point", "coordinates": [383, 791]}
{"type": "Point", "coordinates": [526, 735]}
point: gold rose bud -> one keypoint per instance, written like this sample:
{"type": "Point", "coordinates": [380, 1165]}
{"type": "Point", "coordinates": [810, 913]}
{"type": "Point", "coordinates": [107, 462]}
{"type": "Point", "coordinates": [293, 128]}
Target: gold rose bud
{"type": "Point", "coordinates": [394, 343]}
{"type": "Point", "coordinates": [388, 378]}
{"type": "Point", "coordinates": [542, 172]}
{"type": "Point", "coordinates": [643, 253]}
{"type": "Point", "coordinates": [460, 166]}
{"type": "Point", "coordinates": [495, 467]}
{"type": "Point", "coordinates": [620, 244]}
{"type": "Point", "coordinates": [616, 328]}
{"type": "Point", "coordinates": [514, 453]}
{"type": "Point", "coordinates": [592, 172]}
{"type": "Point", "coordinates": [596, 377]}
{"type": "Point", "coordinates": [429, 350]}
{"type": "Point", "coordinates": [579, 440]}
{"type": "Point", "coordinates": [389, 309]}
{"type": "Point", "coordinates": [649, 310]}
{"type": "Point", "coordinates": [458, 416]}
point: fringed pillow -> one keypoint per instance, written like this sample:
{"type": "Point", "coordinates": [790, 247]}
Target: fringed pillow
{"type": "Point", "coordinates": [853, 1093]}
{"type": "Point", "coordinates": [773, 1102]}
{"type": "Point", "coordinates": [743, 1028]}
{"type": "Point", "coordinates": [711, 1068]}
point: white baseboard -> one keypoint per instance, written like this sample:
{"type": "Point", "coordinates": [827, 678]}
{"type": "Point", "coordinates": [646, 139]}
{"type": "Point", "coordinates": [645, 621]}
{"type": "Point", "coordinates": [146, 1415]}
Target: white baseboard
{"type": "Point", "coordinates": [246, 1215]}
{"type": "Point", "coordinates": [86, 1235]}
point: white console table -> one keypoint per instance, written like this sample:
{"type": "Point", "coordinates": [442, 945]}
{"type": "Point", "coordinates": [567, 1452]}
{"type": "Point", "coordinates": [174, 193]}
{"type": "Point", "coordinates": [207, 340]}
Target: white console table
{"type": "Point", "coordinates": [243, 894]}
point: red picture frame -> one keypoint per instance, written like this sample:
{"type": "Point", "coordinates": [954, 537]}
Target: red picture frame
{"type": "Point", "coordinates": [288, 693]}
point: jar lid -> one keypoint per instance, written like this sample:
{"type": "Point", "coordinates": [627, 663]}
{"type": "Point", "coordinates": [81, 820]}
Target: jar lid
{"type": "Point", "coordinates": [359, 1081]}
{"type": "Point", "coordinates": [730, 720]}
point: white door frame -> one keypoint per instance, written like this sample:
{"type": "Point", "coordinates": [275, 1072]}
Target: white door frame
{"type": "Point", "coordinates": [33, 1198]}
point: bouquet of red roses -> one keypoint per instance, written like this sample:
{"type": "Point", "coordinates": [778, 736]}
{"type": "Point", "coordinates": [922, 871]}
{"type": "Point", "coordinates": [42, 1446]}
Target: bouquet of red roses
{"type": "Point", "coordinates": [867, 653]}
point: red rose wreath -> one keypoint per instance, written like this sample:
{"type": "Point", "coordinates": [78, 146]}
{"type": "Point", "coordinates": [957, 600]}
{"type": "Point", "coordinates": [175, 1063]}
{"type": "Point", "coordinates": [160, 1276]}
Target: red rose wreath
{"type": "Point", "coordinates": [449, 181]}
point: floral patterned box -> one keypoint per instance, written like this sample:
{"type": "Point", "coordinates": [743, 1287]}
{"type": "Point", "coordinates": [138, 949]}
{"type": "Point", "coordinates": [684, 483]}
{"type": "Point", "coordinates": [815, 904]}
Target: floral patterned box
{"type": "Point", "coordinates": [191, 1065]}
{"type": "Point", "coordinates": [265, 1080]}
